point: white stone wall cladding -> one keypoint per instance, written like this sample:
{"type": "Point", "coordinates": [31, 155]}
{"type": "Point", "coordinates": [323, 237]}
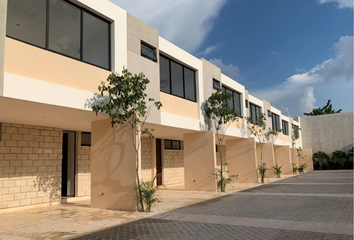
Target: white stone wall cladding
{"type": "Point", "coordinates": [30, 165]}
{"type": "Point", "coordinates": [83, 168]}
{"type": "Point", "coordinates": [172, 165]}
{"type": "Point", "coordinates": [145, 159]}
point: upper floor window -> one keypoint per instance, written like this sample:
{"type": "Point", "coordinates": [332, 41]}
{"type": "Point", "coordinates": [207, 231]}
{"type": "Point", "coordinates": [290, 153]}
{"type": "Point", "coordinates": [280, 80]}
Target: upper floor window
{"type": "Point", "coordinates": [216, 84]}
{"type": "Point", "coordinates": [254, 113]}
{"type": "Point", "coordinates": [148, 51]}
{"type": "Point", "coordinates": [177, 79]}
{"type": "Point", "coordinates": [60, 27]}
{"type": "Point", "coordinates": [285, 126]}
{"type": "Point", "coordinates": [235, 101]}
{"type": "Point", "coordinates": [275, 122]}
{"type": "Point", "coordinates": [246, 103]}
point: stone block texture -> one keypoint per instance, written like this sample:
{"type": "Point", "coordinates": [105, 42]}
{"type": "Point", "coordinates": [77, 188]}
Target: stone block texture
{"type": "Point", "coordinates": [145, 159]}
{"type": "Point", "coordinates": [172, 165]}
{"type": "Point", "coordinates": [83, 168]}
{"type": "Point", "coordinates": [30, 165]}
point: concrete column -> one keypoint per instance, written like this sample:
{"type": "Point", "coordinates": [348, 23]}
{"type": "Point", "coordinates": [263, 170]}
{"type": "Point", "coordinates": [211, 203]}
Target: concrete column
{"type": "Point", "coordinates": [199, 161]}
{"type": "Point", "coordinates": [242, 159]}
{"type": "Point", "coordinates": [282, 157]}
{"type": "Point", "coordinates": [113, 162]}
{"type": "Point", "coordinates": [267, 158]}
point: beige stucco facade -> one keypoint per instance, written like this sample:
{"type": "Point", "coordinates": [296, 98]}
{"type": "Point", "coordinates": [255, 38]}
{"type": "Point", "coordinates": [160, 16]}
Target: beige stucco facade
{"type": "Point", "coordinates": [282, 158]}
{"type": "Point", "coordinates": [113, 170]}
{"type": "Point", "coordinates": [199, 161]}
{"type": "Point", "coordinates": [57, 94]}
{"type": "Point", "coordinates": [267, 155]}
{"type": "Point", "coordinates": [242, 159]}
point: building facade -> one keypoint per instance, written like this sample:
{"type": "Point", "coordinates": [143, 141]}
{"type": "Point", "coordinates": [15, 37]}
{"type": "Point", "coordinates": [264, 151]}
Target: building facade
{"type": "Point", "coordinates": [53, 56]}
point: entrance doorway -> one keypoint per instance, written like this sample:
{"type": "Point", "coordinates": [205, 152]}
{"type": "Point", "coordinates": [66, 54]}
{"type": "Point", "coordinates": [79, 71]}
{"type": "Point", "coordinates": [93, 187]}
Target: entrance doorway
{"type": "Point", "coordinates": [158, 162]}
{"type": "Point", "coordinates": [68, 164]}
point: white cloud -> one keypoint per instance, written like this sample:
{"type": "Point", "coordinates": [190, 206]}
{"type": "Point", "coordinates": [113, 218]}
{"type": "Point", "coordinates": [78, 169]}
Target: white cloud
{"type": "Point", "coordinates": [208, 50]}
{"type": "Point", "coordinates": [338, 68]}
{"type": "Point", "coordinates": [228, 69]}
{"type": "Point", "coordinates": [340, 3]}
{"type": "Point", "coordinates": [307, 102]}
{"type": "Point", "coordinates": [183, 22]}
{"type": "Point", "coordinates": [300, 70]}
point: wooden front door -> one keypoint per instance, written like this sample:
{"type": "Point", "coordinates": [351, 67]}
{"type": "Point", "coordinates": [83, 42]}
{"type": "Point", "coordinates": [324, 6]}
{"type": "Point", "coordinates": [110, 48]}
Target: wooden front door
{"type": "Point", "coordinates": [158, 162]}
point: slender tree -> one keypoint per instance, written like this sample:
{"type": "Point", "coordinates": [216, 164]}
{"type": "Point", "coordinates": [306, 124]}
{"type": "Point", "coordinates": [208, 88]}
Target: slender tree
{"type": "Point", "coordinates": [221, 115]}
{"type": "Point", "coordinates": [258, 129]}
{"type": "Point", "coordinates": [294, 137]}
{"type": "Point", "coordinates": [324, 110]}
{"type": "Point", "coordinates": [125, 102]}
{"type": "Point", "coordinates": [274, 135]}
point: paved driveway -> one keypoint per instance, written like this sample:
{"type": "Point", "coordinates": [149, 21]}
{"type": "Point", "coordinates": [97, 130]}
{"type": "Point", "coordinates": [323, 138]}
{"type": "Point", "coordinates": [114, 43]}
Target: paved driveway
{"type": "Point", "coordinates": [316, 205]}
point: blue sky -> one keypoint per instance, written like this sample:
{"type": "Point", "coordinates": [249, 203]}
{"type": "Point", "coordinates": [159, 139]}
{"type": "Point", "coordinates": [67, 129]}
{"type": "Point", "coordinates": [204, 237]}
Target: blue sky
{"type": "Point", "coordinates": [296, 54]}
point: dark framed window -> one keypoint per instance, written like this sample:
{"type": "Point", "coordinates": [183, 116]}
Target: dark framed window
{"type": "Point", "coordinates": [148, 51]}
{"type": "Point", "coordinates": [26, 21]}
{"type": "Point", "coordinates": [216, 148]}
{"type": "Point", "coordinates": [177, 79]}
{"type": "Point", "coordinates": [61, 27]}
{"type": "Point", "coordinates": [246, 103]}
{"type": "Point", "coordinates": [254, 112]}
{"type": "Point", "coordinates": [285, 126]}
{"type": "Point", "coordinates": [85, 139]}
{"type": "Point", "coordinates": [172, 144]}
{"type": "Point", "coordinates": [216, 84]}
{"type": "Point", "coordinates": [275, 121]}
{"type": "Point", "coordinates": [235, 101]}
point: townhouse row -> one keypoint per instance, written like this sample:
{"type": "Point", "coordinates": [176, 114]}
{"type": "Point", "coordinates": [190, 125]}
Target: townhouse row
{"type": "Point", "coordinates": [53, 56]}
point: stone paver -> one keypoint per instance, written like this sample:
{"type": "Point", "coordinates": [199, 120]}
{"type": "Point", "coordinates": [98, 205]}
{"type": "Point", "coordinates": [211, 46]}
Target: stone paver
{"type": "Point", "coordinates": [264, 212]}
{"type": "Point", "coordinates": [313, 209]}
{"type": "Point", "coordinates": [302, 188]}
{"type": "Point", "coordinates": [163, 229]}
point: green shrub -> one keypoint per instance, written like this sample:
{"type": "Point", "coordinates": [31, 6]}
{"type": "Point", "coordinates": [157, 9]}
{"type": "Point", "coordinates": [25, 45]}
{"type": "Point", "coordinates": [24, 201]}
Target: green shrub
{"type": "Point", "coordinates": [277, 170]}
{"type": "Point", "coordinates": [295, 169]}
{"type": "Point", "coordinates": [222, 181]}
{"type": "Point", "coordinates": [147, 192]}
{"type": "Point", "coordinates": [262, 170]}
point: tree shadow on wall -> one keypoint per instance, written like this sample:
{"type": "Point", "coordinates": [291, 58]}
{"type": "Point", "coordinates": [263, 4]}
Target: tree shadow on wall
{"type": "Point", "coordinates": [50, 186]}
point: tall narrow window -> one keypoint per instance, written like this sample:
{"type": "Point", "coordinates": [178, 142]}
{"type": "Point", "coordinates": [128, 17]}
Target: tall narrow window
{"type": "Point", "coordinates": [26, 21]}
{"type": "Point", "coordinates": [95, 40]}
{"type": "Point", "coordinates": [177, 79]}
{"type": "Point", "coordinates": [237, 102]}
{"type": "Point", "coordinates": [165, 75]}
{"type": "Point", "coordinates": [254, 112]}
{"type": "Point", "coordinates": [234, 102]}
{"type": "Point", "coordinates": [64, 28]}
{"type": "Point", "coordinates": [189, 84]}
{"type": "Point", "coordinates": [275, 121]}
{"type": "Point", "coordinates": [285, 126]}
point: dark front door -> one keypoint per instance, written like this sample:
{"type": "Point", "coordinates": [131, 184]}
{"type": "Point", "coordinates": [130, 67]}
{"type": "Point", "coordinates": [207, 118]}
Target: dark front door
{"type": "Point", "coordinates": [64, 166]}
{"type": "Point", "coordinates": [158, 162]}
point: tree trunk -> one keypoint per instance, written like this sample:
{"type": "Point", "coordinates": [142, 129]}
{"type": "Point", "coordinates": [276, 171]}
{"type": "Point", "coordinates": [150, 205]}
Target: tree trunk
{"type": "Point", "coordinates": [139, 200]}
{"type": "Point", "coordinates": [221, 169]}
